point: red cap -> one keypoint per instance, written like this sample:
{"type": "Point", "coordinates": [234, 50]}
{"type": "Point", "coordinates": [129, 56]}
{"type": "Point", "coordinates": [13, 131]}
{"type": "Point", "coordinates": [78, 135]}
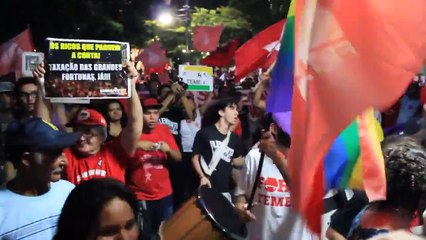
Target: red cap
{"type": "Point", "coordinates": [88, 117]}
{"type": "Point", "coordinates": [151, 103]}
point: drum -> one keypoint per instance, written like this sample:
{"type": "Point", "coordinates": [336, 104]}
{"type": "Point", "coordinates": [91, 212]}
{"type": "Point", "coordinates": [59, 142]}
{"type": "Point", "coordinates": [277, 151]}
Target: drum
{"type": "Point", "coordinates": [206, 216]}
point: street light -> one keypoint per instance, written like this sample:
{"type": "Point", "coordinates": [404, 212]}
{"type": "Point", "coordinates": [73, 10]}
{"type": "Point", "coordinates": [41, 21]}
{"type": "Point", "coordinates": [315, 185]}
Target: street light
{"type": "Point", "coordinates": [165, 18]}
{"type": "Point", "coordinates": [185, 16]}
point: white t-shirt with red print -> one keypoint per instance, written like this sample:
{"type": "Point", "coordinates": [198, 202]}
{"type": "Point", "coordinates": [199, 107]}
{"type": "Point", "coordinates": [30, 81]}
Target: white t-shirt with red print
{"type": "Point", "coordinates": [274, 217]}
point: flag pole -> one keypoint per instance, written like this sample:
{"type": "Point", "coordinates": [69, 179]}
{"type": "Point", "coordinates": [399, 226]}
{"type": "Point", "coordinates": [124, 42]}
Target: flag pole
{"type": "Point", "coordinates": [256, 181]}
{"type": "Point", "coordinates": [271, 67]}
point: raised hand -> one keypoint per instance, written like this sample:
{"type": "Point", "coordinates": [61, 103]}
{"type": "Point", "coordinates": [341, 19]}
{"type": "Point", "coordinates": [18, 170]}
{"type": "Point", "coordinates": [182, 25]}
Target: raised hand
{"type": "Point", "coordinates": [39, 71]}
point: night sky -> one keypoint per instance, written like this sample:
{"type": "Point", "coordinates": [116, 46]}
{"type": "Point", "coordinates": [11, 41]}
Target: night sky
{"type": "Point", "coordinates": [13, 19]}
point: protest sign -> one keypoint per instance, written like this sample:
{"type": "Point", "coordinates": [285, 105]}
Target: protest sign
{"type": "Point", "coordinates": [30, 60]}
{"type": "Point", "coordinates": [86, 69]}
{"type": "Point", "coordinates": [198, 78]}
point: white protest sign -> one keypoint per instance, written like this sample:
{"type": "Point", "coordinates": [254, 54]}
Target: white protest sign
{"type": "Point", "coordinates": [198, 78]}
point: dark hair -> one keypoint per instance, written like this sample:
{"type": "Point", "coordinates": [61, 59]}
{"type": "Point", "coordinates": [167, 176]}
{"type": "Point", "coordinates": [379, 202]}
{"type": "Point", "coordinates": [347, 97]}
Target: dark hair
{"type": "Point", "coordinates": [413, 91]}
{"type": "Point", "coordinates": [81, 211]}
{"type": "Point", "coordinates": [150, 86]}
{"type": "Point", "coordinates": [19, 110]}
{"type": "Point", "coordinates": [230, 92]}
{"type": "Point", "coordinates": [23, 81]}
{"type": "Point", "coordinates": [282, 137]}
{"type": "Point", "coordinates": [154, 76]}
{"type": "Point", "coordinates": [405, 164]}
{"type": "Point", "coordinates": [123, 120]}
{"type": "Point", "coordinates": [211, 116]}
{"type": "Point", "coordinates": [14, 154]}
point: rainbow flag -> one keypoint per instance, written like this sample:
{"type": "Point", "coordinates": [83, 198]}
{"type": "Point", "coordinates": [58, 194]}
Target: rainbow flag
{"type": "Point", "coordinates": [355, 153]}
{"type": "Point", "coordinates": [281, 91]}
{"type": "Point", "coordinates": [343, 166]}
{"type": "Point", "coordinates": [338, 75]}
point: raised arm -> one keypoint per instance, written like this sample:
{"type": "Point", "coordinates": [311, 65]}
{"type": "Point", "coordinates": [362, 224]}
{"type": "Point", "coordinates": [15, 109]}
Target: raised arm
{"type": "Point", "coordinates": [42, 107]}
{"type": "Point", "coordinates": [268, 145]}
{"type": "Point", "coordinates": [59, 109]}
{"type": "Point", "coordinates": [166, 102]}
{"type": "Point", "coordinates": [130, 135]}
{"type": "Point", "coordinates": [205, 105]}
{"type": "Point", "coordinates": [260, 88]}
{"type": "Point", "coordinates": [181, 92]}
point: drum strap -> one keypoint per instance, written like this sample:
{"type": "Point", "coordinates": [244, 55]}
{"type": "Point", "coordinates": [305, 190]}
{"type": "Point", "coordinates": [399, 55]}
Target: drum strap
{"type": "Point", "coordinates": [217, 155]}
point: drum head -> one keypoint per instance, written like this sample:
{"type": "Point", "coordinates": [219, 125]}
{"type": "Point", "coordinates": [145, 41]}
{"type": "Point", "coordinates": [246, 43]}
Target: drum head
{"type": "Point", "coordinates": [221, 213]}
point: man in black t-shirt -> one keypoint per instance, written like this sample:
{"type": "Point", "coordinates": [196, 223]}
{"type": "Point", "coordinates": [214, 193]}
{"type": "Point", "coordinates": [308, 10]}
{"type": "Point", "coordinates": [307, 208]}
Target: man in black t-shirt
{"type": "Point", "coordinates": [219, 117]}
{"type": "Point", "coordinates": [175, 109]}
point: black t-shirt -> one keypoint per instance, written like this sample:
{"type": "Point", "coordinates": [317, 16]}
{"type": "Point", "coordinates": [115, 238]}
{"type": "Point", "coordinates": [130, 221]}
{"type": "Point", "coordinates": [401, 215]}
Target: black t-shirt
{"type": "Point", "coordinates": [172, 119]}
{"type": "Point", "coordinates": [206, 141]}
{"type": "Point", "coordinates": [342, 219]}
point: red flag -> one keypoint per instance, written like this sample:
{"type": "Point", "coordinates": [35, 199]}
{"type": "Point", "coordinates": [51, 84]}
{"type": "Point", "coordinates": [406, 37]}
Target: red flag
{"type": "Point", "coordinates": [11, 52]}
{"type": "Point", "coordinates": [222, 56]}
{"type": "Point", "coordinates": [342, 67]}
{"type": "Point", "coordinates": [206, 38]}
{"type": "Point", "coordinates": [255, 52]}
{"type": "Point", "coordinates": [270, 59]}
{"type": "Point", "coordinates": [153, 58]}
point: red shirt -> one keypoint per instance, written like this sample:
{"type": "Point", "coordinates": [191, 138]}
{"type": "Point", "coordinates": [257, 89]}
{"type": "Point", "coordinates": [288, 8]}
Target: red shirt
{"type": "Point", "coordinates": [423, 95]}
{"type": "Point", "coordinates": [238, 129]}
{"type": "Point", "coordinates": [110, 161]}
{"type": "Point", "coordinates": [149, 177]}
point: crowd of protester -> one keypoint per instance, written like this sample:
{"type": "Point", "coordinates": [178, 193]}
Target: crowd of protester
{"type": "Point", "coordinates": [119, 168]}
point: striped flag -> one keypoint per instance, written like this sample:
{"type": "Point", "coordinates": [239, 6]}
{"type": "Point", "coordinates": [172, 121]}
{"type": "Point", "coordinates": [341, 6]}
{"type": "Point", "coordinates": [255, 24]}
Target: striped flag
{"type": "Point", "coordinates": [349, 56]}
{"type": "Point", "coordinates": [281, 91]}
{"type": "Point", "coordinates": [355, 159]}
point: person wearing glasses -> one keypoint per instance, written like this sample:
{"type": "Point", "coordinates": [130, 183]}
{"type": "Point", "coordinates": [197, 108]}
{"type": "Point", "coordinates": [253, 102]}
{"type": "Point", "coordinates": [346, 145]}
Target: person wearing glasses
{"type": "Point", "coordinates": [21, 100]}
{"type": "Point", "coordinates": [91, 157]}
{"type": "Point", "coordinates": [26, 95]}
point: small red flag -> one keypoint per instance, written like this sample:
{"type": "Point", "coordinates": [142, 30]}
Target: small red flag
{"type": "Point", "coordinates": [206, 38]}
{"type": "Point", "coordinates": [11, 52]}
{"type": "Point", "coordinates": [222, 56]}
{"type": "Point", "coordinates": [256, 51]}
{"type": "Point", "coordinates": [153, 57]}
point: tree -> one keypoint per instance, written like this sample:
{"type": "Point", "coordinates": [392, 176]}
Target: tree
{"type": "Point", "coordinates": [262, 13]}
{"type": "Point", "coordinates": [235, 22]}
{"type": "Point", "coordinates": [121, 20]}
{"type": "Point", "coordinates": [173, 37]}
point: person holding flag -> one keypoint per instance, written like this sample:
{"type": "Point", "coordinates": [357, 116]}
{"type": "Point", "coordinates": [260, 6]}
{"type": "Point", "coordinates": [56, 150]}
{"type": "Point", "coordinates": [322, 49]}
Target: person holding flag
{"type": "Point", "coordinates": [271, 217]}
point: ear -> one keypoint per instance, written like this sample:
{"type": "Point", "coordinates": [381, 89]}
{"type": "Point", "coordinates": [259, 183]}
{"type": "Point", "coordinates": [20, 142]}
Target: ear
{"type": "Point", "coordinates": [273, 128]}
{"type": "Point", "coordinates": [26, 159]}
{"type": "Point", "coordinates": [221, 113]}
